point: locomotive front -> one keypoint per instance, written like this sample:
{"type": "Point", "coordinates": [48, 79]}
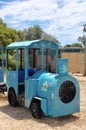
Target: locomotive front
{"type": "Point", "coordinates": [61, 94]}
{"type": "Point", "coordinates": [61, 91]}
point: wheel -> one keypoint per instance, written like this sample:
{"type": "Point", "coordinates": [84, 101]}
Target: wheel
{"type": "Point", "coordinates": [36, 110]}
{"type": "Point", "coordinates": [12, 98]}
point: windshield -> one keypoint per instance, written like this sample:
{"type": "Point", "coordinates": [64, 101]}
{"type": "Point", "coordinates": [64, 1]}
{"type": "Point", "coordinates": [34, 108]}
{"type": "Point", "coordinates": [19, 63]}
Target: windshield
{"type": "Point", "coordinates": [50, 60]}
{"type": "Point", "coordinates": [35, 58]}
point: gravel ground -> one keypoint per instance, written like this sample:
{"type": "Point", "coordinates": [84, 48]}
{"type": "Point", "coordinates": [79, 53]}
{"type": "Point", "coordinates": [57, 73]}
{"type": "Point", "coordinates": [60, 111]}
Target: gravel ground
{"type": "Point", "coordinates": [20, 118]}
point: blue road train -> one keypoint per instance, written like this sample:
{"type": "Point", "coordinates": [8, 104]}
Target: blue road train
{"type": "Point", "coordinates": [37, 79]}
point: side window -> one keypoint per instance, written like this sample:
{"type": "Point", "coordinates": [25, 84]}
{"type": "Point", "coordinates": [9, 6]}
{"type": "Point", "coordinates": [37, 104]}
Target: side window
{"type": "Point", "coordinates": [11, 59]}
{"type": "Point", "coordinates": [50, 60]}
{"type": "Point", "coordinates": [21, 59]}
{"type": "Point", "coordinates": [35, 58]}
{"type": "Point", "coordinates": [0, 58]}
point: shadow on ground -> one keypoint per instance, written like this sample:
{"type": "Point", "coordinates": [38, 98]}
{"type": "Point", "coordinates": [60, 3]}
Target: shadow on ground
{"type": "Point", "coordinates": [21, 113]}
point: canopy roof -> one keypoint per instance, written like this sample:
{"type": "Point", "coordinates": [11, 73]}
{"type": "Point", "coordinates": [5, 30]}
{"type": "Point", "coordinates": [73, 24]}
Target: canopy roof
{"type": "Point", "coordinates": [33, 44]}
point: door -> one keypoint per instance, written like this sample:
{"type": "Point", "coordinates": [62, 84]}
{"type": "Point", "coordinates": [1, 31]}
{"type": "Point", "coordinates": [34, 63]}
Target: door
{"type": "Point", "coordinates": [12, 72]}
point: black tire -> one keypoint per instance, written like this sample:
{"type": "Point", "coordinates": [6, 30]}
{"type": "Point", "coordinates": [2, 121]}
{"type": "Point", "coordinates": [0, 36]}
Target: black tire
{"type": "Point", "coordinates": [36, 110]}
{"type": "Point", "coordinates": [12, 98]}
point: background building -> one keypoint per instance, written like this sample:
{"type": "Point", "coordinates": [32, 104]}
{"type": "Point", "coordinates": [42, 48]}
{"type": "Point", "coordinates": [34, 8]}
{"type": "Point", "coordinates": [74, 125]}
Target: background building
{"type": "Point", "coordinates": [76, 57]}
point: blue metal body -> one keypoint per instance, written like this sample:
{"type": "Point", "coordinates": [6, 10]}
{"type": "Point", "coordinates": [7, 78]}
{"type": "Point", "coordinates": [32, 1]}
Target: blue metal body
{"type": "Point", "coordinates": [41, 84]}
{"type": "Point", "coordinates": [53, 106]}
{"type": "Point", "coordinates": [1, 64]}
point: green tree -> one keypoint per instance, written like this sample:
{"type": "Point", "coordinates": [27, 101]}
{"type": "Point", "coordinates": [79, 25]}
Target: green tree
{"type": "Point", "coordinates": [35, 32]}
{"type": "Point", "coordinates": [76, 45]}
{"type": "Point", "coordinates": [21, 36]}
{"type": "Point", "coordinates": [49, 37]}
{"type": "Point", "coordinates": [7, 35]}
{"type": "Point", "coordinates": [82, 39]}
{"type": "Point", "coordinates": [2, 23]}
{"type": "Point", "coordinates": [67, 45]}
{"type": "Point", "coordinates": [73, 45]}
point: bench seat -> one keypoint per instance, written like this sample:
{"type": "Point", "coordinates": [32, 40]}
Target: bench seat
{"type": "Point", "coordinates": [21, 75]}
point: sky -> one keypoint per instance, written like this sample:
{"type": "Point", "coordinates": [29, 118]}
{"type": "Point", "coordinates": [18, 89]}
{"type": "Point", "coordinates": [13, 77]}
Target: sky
{"type": "Point", "coordinates": [63, 19]}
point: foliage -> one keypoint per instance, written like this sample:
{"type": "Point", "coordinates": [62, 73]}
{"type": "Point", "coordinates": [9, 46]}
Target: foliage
{"type": "Point", "coordinates": [82, 39]}
{"type": "Point", "coordinates": [12, 59]}
{"type": "Point", "coordinates": [73, 45]}
{"type": "Point", "coordinates": [84, 28]}
{"type": "Point", "coordinates": [49, 37]}
{"type": "Point", "coordinates": [33, 33]}
{"type": "Point", "coordinates": [7, 35]}
{"type": "Point", "coordinates": [21, 36]}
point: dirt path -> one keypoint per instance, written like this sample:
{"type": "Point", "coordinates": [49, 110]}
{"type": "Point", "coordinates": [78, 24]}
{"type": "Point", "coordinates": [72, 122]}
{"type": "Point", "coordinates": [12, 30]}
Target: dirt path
{"type": "Point", "coordinates": [20, 118]}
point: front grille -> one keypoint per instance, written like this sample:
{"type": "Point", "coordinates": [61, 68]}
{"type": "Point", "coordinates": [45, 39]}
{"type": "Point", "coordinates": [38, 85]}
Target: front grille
{"type": "Point", "coordinates": [67, 92]}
